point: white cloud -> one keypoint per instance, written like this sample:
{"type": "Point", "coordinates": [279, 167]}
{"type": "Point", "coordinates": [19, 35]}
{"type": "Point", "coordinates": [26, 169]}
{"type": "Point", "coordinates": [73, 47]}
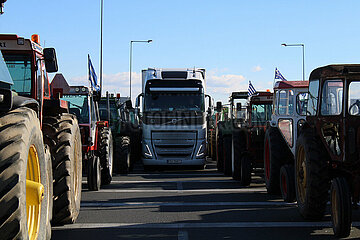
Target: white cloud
{"type": "Point", "coordinates": [256, 69]}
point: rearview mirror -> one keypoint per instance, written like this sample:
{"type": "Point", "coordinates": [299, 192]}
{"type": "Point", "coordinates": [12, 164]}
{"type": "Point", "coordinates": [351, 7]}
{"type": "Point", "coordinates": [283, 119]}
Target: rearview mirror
{"type": "Point", "coordinates": [218, 106]}
{"type": "Point", "coordinates": [238, 106]}
{"type": "Point", "coordinates": [128, 104]}
{"type": "Point", "coordinates": [50, 60]}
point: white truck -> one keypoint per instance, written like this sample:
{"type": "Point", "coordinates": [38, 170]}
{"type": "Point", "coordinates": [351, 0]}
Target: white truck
{"type": "Point", "coordinates": [173, 117]}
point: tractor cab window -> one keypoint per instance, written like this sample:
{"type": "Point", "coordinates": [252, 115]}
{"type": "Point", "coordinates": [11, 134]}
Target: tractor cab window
{"type": "Point", "coordinates": [78, 105]}
{"type": "Point", "coordinates": [20, 70]}
{"type": "Point", "coordinates": [331, 99]}
{"type": "Point", "coordinates": [313, 97]}
{"type": "Point", "coordinates": [354, 98]}
{"type": "Point", "coordinates": [286, 102]}
{"type": "Point", "coordinates": [260, 113]}
{"type": "Point", "coordinates": [301, 103]}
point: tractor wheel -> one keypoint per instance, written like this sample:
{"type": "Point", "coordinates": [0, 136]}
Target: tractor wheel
{"type": "Point", "coordinates": [124, 155]}
{"type": "Point", "coordinates": [311, 176]}
{"type": "Point", "coordinates": [272, 160]}
{"type": "Point", "coordinates": [227, 155]}
{"type": "Point", "coordinates": [106, 155]}
{"type": "Point", "coordinates": [213, 145]}
{"type": "Point", "coordinates": [61, 133]}
{"type": "Point", "coordinates": [24, 188]}
{"type": "Point", "coordinates": [94, 173]}
{"type": "Point", "coordinates": [50, 192]}
{"type": "Point", "coordinates": [340, 207]}
{"type": "Point", "coordinates": [246, 169]}
{"type": "Point", "coordinates": [220, 153]}
{"type": "Point", "coordinates": [287, 183]}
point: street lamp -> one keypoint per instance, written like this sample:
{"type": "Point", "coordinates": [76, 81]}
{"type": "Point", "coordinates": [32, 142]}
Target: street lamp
{"type": "Point", "coordinates": [303, 53]}
{"type": "Point", "coordinates": [131, 42]}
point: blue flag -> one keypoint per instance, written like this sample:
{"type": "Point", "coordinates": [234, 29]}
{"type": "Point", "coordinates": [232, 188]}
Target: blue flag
{"type": "Point", "coordinates": [251, 89]}
{"type": "Point", "coordinates": [278, 75]}
{"type": "Point", "coordinates": [92, 76]}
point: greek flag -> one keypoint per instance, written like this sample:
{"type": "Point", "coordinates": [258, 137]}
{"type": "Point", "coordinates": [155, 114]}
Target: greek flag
{"type": "Point", "coordinates": [278, 75]}
{"type": "Point", "coordinates": [92, 76]}
{"type": "Point", "coordinates": [251, 89]}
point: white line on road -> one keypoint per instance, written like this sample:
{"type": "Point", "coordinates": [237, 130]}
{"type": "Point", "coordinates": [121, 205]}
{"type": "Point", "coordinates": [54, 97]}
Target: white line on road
{"type": "Point", "coordinates": [240, 190]}
{"type": "Point", "coordinates": [182, 204]}
{"type": "Point", "coordinates": [200, 225]}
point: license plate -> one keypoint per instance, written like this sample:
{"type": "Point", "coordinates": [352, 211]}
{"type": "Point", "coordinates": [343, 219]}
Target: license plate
{"type": "Point", "coordinates": [174, 161]}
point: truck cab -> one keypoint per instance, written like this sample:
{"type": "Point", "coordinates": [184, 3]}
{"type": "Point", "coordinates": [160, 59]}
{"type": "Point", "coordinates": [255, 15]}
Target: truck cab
{"type": "Point", "coordinates": [173, 117]}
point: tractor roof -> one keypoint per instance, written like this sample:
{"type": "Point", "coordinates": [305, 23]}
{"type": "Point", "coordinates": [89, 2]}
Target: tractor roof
{"type": "Point", "coordinates": [291, 84]}
{"type": "Point", "coordinates": [335, 70]}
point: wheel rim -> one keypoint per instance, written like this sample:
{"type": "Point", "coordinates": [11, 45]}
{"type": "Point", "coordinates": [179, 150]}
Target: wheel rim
{"type": "Point", "coordinates": [301, 174]}
{"type": "Point", "coordinates": [334, 210]}
{"type": "Point", "coordinates": [267, 160]}
{"type": "Point", "coordinates": [34, 193]}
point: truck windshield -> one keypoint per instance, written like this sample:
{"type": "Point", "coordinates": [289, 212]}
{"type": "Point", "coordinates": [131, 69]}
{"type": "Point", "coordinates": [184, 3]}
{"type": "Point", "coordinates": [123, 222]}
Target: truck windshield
{"type": "Point", "coordinates": [78, 105]}
{"type": "Point", "coordinates": [261, 113]}
{"type": "Point", "coordinates": [20, 70]}
{"type": "Point", "coordinates": [176, 101]}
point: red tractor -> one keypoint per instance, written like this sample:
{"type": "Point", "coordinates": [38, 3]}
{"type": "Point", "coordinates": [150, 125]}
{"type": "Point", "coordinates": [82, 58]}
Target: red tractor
{"type": "Point", "coordinates": [327, 157]}
{"type": "Point", "coordinates": [40, 161]}
{"type": "Point", "coordinates": [97, 142]}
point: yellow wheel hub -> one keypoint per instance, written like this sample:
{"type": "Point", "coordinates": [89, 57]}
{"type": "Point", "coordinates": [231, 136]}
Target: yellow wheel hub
{"type": "Point", "coordinates": [34, 193]}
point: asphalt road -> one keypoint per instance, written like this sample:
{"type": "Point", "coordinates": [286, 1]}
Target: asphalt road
{"type": "Point", "coordinates": [190, 204]}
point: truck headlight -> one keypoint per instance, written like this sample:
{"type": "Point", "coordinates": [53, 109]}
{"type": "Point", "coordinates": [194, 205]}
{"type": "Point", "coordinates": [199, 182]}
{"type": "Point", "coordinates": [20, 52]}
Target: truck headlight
{"type": "Point", "coordinates": [147, 151]}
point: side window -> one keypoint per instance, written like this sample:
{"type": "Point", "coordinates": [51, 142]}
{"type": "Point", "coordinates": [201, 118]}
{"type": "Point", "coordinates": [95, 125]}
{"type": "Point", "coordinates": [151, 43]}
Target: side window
{"type": "Point", "coordinates": [301, 103]}
{"type": "Point", "coordinates": [354, 98]}
{"type": "Point", "coordinates": [46, 85]}
{"type": "Point", "coordinates": [93, 113]}
{"type": "Point", "coordinates": [331, 99]}
{"type": "Point", "coordinates": [286, 102]}
{"type": "Point", "coordinates": [313, 97]}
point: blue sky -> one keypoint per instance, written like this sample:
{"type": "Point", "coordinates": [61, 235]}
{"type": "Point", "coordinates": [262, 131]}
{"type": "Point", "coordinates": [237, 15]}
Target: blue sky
{"type": "Point", "coordinates": [235, 41]}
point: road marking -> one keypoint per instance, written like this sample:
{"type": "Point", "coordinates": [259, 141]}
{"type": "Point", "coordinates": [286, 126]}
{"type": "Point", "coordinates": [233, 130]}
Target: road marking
{"type": "Point", "coordinates": [182, 204]}
{"type": "Point", "coordinates": [240, 190]}
{"type": "Point", "coordinates": [201, 225]}
{"type": "Point", "coordinates": [183, 235]}
{"type": "Point", "coordinates": [165, 181]}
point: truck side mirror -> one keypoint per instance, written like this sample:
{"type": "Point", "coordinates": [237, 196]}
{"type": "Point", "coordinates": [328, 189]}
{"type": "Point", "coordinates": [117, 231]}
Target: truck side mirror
{"type": "Point", "coordinates": [218, 106]}
{"type": "Point", "coordinates": [128, 104]}
{"type": "Point", "coordinates": [50, 60]}
{"type": "Point", "coordinates": [137, 102]}
{"type": "Point", "coordinates": [238, 106]}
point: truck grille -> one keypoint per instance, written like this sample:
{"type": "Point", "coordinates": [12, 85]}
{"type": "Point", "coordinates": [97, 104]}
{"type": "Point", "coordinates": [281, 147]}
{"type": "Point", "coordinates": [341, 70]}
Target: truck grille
{"type": "Point", "coordinates": [174, 145]}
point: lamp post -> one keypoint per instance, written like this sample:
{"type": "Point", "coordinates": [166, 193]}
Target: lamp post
{"type": "Point", "coordinates": [303, 53]}
{"type": "Point", "coordinates": [131, 42]}
{"type": "Point", "coordinates": [101, 44]}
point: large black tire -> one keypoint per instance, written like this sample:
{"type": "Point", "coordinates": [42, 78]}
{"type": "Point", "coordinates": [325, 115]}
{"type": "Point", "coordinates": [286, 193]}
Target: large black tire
{"type": "Point", "coordinates": [274, 149]}
{"type": "Point", "coordinates": [287, 183]}
{"type": "Point", "coordinates": [125, 165]}
{"type": "Point", "coordinates": [94, 173]}
{"type": "Point", "coordinates": [227, 152]}
{"type": "Point", "coordinates": [213, 145]}
{"type": "Point", "coordinates": [106, 155]}
{"type": "Point", "coordinates": [220, 153]}
{"type": "Point", "coordinates": [240, 159]}
{"type": "Point", "coordinates": [21, 144]}
{"type": "Point", "coordinates": [311, 176]}
{"type": "Point", "coordinates": [62, 135]}
{"type": "Point", "coordinates": [246, 169]}
{"type": "Point", "coordinates": [50, 192]}
{"type": "Point", "coordinates": [340, 207]}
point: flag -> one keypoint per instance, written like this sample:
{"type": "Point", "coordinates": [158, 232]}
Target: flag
{"type": "Point", "coordinates": [92, 76]}
{"type": "Point", "coordinates": [278, 75]}
{"type": "Point", "coordinates": [251, 89]}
